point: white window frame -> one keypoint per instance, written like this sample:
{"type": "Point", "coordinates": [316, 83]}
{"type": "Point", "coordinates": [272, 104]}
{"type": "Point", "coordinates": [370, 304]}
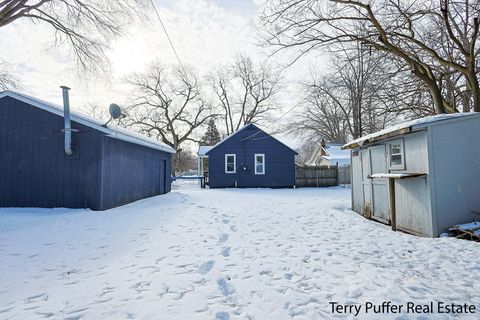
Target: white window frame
{"type": "Point", "coordinates": [234, 163]}
{"type": "Point", "coordinates": [400, 166]}
{"type": "Point", "coordinates": [255, 162]}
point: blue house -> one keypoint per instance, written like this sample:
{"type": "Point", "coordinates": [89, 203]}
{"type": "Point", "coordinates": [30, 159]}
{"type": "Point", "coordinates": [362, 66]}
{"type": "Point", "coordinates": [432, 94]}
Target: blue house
{"type": "Point", "coordinates": [251, 158]}
{"type": "Point", "coordinates": [50, 157]}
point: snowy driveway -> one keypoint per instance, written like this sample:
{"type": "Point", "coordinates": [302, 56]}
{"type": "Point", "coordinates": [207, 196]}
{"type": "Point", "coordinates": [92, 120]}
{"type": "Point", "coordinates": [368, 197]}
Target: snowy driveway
{"type": "Point", "coordinates": [222, 254]}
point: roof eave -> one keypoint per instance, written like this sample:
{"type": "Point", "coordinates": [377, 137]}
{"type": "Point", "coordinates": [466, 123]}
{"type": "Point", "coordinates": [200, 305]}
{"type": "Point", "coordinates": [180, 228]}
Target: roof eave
{"type": "Point", "coordinates": [378, 138]}
{"type": "Point", "coordinates": [81, 119]}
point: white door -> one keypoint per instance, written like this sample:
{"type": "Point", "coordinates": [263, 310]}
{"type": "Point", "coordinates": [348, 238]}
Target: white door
{"type": "Point", "coordinates": [366, 183]}
{"type": "Point", "coordinates": [378, 164]}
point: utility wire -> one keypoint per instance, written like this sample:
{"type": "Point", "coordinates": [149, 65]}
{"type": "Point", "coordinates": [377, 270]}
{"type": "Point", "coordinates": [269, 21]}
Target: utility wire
{"type": "Point", "coordinates": [168, 37]}
{"type": "Point", "coordinates": [276, 120]}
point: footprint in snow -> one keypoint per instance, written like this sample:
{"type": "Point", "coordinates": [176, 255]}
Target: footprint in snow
{"type": "Point", "coordinates": [233, 228]}
{"type": "Point", "coordinates": [226, 252]}
{"type": "Point", "coordinates": [225, 287]}
{"type": "Point", "coordinates": [206, 266]}
{"type": "Point", "coordinates": [223, 238]}
{"type": "Point", "coordinates": [222, 316]}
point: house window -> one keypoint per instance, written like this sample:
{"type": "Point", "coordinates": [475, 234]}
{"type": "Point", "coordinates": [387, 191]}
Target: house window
{"type": "Point", "coordinates": [259, 163]}
{"type": "Point", "coordinates": [230, 163]}
{"type": "Point", "coordinates": [397, 159]}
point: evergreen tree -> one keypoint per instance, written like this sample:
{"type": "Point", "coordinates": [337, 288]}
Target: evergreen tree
{"type": "Point", "coordinates": [211, 136]}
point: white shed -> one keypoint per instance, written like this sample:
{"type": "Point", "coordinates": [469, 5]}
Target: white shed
{"type": "Point", "coordinates": [431, 165]}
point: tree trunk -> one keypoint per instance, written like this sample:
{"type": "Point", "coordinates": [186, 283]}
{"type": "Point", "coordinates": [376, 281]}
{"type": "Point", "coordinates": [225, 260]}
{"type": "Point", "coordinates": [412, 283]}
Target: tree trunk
{"type": "Point", "coordinates": [437, 98]}
{"type": "Point", "coordinates": [475, 90]}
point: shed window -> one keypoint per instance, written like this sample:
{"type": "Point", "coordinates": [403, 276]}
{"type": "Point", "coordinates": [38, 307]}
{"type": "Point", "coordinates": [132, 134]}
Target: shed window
{"type": "Point", "coordinates": [259, 163]}
{"type": "Point", "coordinates": [230, 163]}
{"type": "Point", "coordinates": [397, 159]}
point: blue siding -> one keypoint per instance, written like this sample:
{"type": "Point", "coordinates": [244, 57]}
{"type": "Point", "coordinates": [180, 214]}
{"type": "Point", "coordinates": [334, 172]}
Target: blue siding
{"type": "Point", "coordinates": [102, 173]}
{"type": "Point", "coordinates": [279, 161]}
{"type": "Point", "coordinates": [34, 169]}
{"type": "Point", "coordinates": [131, 172]}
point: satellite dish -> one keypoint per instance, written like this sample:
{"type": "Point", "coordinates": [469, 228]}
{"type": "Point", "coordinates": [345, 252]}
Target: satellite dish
{"type": "Point", "coordinates": [115, 111]}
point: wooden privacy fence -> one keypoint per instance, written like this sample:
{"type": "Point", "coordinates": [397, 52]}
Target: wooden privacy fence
{"type": "Point", "coordinates": [321, 176]}
{"type": "Point", "coordinates": [344, 175]}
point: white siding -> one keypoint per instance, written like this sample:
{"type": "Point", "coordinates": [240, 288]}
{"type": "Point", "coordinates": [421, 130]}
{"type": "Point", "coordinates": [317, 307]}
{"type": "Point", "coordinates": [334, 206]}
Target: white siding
{"type": "Point", "coordinates": [412, 200]}
{"type": "Point", "coordinates": [357, 193]}
{"type": "Point", "coordinates": [449, 154]}
{"type": "Point", "coordinates": [416, 153]}
{"type": "Point", "coordinates": [412, 194]}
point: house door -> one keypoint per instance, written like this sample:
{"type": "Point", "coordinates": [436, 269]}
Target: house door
{"type": "Point", "coordinates": [366, 183]}
{"type": "Point", "coordinates": [378, 164]}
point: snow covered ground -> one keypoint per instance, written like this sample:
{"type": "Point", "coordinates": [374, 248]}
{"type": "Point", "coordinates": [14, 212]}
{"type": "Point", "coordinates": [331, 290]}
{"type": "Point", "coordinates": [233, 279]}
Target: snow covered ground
{"type": "Point", "coordinates": [222, 254]}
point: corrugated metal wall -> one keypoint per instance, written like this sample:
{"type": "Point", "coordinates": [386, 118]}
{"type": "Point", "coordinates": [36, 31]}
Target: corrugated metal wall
{"type": "Point", "coordinates": [279, 162]}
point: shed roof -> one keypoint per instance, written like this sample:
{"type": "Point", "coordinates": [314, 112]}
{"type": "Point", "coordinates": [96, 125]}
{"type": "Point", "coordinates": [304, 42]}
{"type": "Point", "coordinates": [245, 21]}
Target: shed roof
{"type": "Point", "coordinates": [243, 128]}
{"type": "Point", "coordinates": [117, 133]}
{"type": "Point", "coordinates": [405, 127]}
{"type": "Point", "coordinates": [202, 150]}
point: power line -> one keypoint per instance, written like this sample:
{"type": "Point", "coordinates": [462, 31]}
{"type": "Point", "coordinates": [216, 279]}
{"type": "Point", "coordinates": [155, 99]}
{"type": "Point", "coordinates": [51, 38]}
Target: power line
{"type": "Point", "coordinates": [280, 117]}
{"type": "Point", "coordinates": [168, 37]}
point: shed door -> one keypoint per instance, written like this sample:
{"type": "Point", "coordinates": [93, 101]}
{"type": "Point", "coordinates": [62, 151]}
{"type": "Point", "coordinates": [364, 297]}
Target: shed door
{"type": "Point", "coordinates": [163, 176]}
{"type": "Point", "coordinates": [378, 164]}
{"type": "Point", "coordinates": [366, 183]}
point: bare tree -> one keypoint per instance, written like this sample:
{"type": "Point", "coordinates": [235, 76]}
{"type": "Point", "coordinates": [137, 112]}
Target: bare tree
{"type": "Point", "coordinates": [185, 161]}
{"type": "Point", "coordinates": [305, 151]}
{"type": "Point", "coordinates": [168, 105]}
{"type": "Point", "coordinates": [86, 25]}
{"type": "Point", "coordinates": [7, 80]}
{"type": "Point", "coordinates": [344, 103]}
{"type": "Point", "coordinates": [245, 92]}
{"type": "Point", "coordinates": [322, 115]}
{"type": "Point", "coordinates": [429, 37]}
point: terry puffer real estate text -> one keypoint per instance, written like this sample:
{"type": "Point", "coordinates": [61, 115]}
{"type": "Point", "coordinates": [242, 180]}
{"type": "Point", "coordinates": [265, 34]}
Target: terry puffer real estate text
{"type": "Point", "coordinates": [388, 307]}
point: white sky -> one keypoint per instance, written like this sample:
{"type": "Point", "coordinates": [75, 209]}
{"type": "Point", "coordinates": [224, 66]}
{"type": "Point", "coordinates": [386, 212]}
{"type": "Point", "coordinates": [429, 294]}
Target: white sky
{"type": "Point", "coordinates": [204, 32]}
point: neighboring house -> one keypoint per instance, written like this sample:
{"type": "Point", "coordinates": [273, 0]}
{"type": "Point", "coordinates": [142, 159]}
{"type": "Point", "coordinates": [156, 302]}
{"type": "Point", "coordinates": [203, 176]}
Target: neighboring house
{"type": "Point", "coordinates": [425, 172]}
{"type": "Point", "coordinates": [203, 160]}
{"type": "Point", "coordinates": [106, 168]}
{"type": "Point", "coordinates": [328, 155]}
{"type": "Point", "coordinates": [251, 158]}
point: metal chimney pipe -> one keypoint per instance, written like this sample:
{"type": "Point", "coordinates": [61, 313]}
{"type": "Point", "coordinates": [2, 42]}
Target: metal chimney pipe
{"type": "Point", "coordinates": [67, 122]}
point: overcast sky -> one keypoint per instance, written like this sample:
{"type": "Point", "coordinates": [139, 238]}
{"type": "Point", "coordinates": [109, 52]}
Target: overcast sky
{"type": "Point", "coordinates": [204, 32]}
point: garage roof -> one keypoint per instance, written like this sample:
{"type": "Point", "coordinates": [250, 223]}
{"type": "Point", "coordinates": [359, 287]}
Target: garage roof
{"type": "Point", "coordinates": [117, 133]}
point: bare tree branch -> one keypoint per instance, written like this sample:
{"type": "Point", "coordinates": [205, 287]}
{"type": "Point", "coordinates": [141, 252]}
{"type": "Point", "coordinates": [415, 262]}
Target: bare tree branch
{"type": "Point", "coordinates": [168, 104]}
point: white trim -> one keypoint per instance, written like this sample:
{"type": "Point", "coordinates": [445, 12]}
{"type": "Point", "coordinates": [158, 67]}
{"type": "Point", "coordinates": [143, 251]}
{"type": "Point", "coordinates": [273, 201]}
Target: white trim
{"type": "Point", "coordinates": [234, 162]}
{"type": "Point", "coordinates": [202, 151]}
{"type": "Point", "coordinates": [116, 133]}
{"type": "Point", "coordinates": [400, 166]}
{"type": "Point", "coordinates": [409, 126]}
{"type": "Point", "coordinates": [255, 162]}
